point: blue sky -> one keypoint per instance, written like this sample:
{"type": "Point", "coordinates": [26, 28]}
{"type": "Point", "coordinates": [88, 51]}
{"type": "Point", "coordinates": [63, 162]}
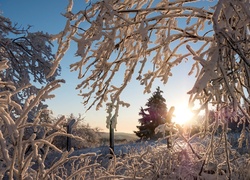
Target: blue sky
{"type": "Point", "coordinates": [45, 15]}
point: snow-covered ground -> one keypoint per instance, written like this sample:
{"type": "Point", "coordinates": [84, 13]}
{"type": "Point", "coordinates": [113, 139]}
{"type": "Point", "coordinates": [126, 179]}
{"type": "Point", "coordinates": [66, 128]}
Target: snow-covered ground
{"type": "Point", "coordinates": [157, 160]}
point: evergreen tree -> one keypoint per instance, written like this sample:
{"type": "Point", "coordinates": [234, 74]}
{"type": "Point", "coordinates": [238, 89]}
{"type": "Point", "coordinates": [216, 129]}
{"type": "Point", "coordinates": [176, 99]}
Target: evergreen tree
{"type": "Point", "coordinates": [152, 116]}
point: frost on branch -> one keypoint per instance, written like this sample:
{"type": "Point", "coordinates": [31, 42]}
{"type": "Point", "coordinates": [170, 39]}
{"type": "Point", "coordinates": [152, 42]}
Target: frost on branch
{"type": "Point", "coordinates": [30, 156]}
{"type": "Point", "coordinates": [224, 78]}
{"type": "Point", "coordinates": [224, 75]}
{"type": "Point", "coordinates": [112, 119]}
{"type": "Point", "coordinates": [29, 57]}
{"type": "Point", "coordinates": [128, 40]}
{"type": "Point", "coordinates": [145, 40]}
{"type": "Point", "coordinates": [19, 152]}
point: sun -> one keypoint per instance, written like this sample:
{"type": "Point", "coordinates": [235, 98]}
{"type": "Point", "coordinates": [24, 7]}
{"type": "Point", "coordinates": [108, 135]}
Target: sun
{"type": "Point", "coordinates": [182, 115]}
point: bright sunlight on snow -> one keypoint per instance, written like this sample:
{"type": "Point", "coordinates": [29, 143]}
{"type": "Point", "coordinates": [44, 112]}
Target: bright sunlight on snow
{"type": "Point", "coordinates": [182, 115]}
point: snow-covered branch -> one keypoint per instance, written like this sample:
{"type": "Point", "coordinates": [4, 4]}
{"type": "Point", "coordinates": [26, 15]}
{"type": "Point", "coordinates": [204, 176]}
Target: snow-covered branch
{"type": "Point", "coordinates": [122, 38]}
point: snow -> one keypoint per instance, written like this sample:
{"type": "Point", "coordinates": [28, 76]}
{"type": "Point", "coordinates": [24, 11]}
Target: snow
{"type": "Point", "coordinates": [182, 162]}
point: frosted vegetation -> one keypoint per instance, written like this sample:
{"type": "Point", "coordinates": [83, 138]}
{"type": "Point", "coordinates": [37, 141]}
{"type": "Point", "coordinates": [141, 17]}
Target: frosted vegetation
{"type": "Point", "coordinates": [117, 38]}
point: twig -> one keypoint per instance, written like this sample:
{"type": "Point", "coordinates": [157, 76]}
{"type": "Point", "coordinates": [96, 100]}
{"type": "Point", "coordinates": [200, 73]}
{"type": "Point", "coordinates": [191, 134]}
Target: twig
{"type": "Point", "coordinates": [193, 151]}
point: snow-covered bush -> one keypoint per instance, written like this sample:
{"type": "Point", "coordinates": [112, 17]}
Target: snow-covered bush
{"type": "Point", "coordinates": [90, 137]}
{"type": "Point", "coordinates": [25, 135]}
{"type": "Point", "coordinates": [34, 156]}
{"type": "Point", "coordinates": [18, 155]}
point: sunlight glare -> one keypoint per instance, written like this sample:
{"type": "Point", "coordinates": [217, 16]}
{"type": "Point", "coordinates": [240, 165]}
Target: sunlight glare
{"type": "Point", "coordinates": [182, 115]}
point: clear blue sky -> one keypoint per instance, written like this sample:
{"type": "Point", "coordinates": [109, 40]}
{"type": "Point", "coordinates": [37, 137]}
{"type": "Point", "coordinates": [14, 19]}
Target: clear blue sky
{"type": "Point", "coordinates": [45, 15]}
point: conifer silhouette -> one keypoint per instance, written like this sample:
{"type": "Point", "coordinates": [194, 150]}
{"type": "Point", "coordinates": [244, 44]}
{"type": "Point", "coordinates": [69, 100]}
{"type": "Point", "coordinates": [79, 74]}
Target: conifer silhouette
{"type": "Point", "coordinates": [152, 116]}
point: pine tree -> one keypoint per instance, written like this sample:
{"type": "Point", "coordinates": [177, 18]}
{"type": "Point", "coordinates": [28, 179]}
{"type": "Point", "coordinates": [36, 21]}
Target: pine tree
{"type": "Point", "coordinates": [152, 116]}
